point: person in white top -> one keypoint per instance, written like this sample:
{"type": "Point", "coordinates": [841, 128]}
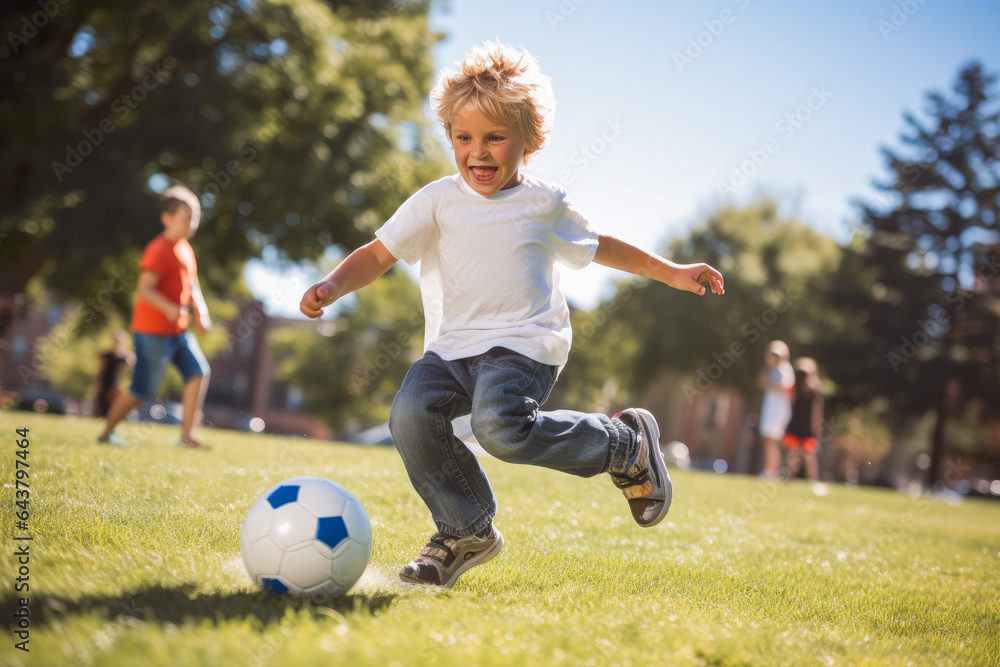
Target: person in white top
{"type": "Point", "coordinates": [497, 327]}
{"type": "Point", "coordinates": [777, 379]}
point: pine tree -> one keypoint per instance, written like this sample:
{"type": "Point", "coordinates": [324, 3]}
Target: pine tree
{"type": "Point", "coordinates": [921, 273]}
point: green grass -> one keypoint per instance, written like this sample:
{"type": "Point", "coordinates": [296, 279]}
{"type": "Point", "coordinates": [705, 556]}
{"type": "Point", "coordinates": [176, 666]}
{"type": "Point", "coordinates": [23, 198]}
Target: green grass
{"type": "Point", "coordinates": [135, 561]}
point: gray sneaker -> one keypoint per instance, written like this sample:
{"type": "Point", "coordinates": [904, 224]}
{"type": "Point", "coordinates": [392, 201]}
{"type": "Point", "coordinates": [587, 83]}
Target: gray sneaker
{"type": "Point", "coordinates": [641, 473]}
{"type": "Point", "coordinates": [446, 557]}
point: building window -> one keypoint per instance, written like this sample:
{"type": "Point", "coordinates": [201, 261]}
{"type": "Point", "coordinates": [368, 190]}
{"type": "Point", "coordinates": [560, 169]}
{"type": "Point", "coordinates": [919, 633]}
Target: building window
{"type": "Point", "coordinates": [53, 314]}
{"type": "Point", "coordinates": [240, 384]}
{"type": "Point", "coordinates": [18, 348]}
{"type": "Point", "coordinates": [294, 401]}
{"type": "Point", "coordinates": [711, 411]}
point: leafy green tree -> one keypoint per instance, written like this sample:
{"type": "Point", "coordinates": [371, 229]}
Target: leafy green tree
{"type": "Point", "coordinates": [775, 268]}
{"type": "Point", "coordinates": [350, 371]}
{"type": "Point", "coordinates": [299, 124]}
{"type": "Point", "coordinates": [922, 272]}
{"type": "Point", "coordinates": [593, 379]}
{"type": "Point", "coordinates": [70, 364]}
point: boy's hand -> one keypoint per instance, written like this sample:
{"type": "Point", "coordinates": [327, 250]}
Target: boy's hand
{"type": "Point", "coordinates": [617, 254]}
{"type": "Point", "coordinates": [173, 312]}
{"type": "Point", "coordinates": [690, 277]}
{"type": "Point", "coordinates": [202, 322]}
{"type": "Point", "coordinates": [318, 297]}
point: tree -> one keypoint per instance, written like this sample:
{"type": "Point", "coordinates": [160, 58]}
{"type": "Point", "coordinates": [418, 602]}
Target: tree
{"type": "Point", "coordinates": [299, 124]}
{"type": "Point", "coordinates": [775, 268]}
{"type": "Point", "coordinates": [922, 272]}
{"type": "Point", "coordinates": [350, 373]}
{"type": "Point", "coordinates": [68, 358]}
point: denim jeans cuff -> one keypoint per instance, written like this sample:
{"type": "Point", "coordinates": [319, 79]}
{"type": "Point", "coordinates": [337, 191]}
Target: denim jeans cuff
{"type": "Point", "coordinates": [479, 524]}
{"type": "Point", "coordinates": [616, 430]}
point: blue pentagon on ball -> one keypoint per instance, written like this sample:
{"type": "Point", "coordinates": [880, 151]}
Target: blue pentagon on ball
{"type": "Point", "coordinates": [283, 495]}
{"type": "Point", "coordinates": [273, 585]}
{"type": "Point", "coordinates": [331, 531]}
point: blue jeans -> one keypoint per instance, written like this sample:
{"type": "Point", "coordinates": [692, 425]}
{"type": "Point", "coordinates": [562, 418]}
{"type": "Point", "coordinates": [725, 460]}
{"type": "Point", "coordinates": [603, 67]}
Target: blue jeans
{"type": "Point", "coordinates": [502, 390]}
{"type": "Point", "coordinates": [154, 353]}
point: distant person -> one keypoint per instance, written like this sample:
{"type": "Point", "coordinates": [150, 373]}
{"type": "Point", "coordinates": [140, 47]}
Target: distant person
{"type": "Point", "coordinates": [488, 239]}
{"type": "Point", "coordinates": [777, 380]}
{"type": "Point", "coordinates": [109, 372]}
{"type": "Point", "coordinates": [807, 419]}
{"type": "Point", "coordinates": [167, 296]}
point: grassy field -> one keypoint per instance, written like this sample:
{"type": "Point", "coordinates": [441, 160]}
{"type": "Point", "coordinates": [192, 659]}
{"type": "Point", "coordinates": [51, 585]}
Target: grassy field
{"type": "Point", "coordinates": [135, 561]}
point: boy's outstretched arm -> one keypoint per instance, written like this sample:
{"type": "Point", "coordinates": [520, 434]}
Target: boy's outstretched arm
{"type": "Point", "coordinates": [358, 269]}
{"type": "Point", "coordinates": [618, 254]}
{"type": "Point", "coordinates": [202, 321]}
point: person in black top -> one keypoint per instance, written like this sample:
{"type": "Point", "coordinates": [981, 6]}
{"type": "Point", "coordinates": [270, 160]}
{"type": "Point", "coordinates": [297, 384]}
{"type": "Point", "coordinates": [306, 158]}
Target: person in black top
{"type": "Point", "coordinates": [807, 418]}
{"type": "Point", "coordinates": [108, 373]}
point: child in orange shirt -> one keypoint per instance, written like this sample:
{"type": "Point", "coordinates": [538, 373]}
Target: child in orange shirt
{"type": "Point", "coordinates": [168, 293]}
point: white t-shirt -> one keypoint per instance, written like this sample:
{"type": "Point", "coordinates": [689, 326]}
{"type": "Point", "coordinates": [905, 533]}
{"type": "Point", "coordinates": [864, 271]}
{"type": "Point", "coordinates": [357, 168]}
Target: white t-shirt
{"type": "Point", "coordinates": [776, 408]}
{"type": "Point", "coordinates": [487, 265]}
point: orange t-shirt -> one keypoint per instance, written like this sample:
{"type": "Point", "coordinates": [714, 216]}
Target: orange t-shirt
{"type": "Point", "coordinates": [175, 265]}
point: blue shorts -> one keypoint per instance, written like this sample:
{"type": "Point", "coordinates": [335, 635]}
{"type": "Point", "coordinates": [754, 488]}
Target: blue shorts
{"type": "Point", "coordinates": [154, 353]}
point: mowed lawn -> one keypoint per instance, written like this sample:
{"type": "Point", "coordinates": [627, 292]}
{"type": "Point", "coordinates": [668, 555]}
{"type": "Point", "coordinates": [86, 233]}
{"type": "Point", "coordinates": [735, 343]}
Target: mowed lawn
{"type": "Point", "coordinates": [135, 561]}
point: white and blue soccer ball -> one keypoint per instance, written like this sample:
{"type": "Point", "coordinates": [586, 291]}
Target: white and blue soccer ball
{"type": "Point", "coordinates": [306, 535]}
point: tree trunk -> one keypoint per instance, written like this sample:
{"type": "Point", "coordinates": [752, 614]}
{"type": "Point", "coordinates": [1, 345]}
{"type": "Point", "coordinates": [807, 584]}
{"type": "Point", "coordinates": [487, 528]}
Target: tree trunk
{"type": "Point", "coordinates": [937, 438]}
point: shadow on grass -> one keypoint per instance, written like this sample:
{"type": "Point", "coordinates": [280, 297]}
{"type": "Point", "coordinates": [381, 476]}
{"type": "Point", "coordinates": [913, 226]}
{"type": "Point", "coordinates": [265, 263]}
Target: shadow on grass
{"type": "Point", "coordinates": [182, 604]}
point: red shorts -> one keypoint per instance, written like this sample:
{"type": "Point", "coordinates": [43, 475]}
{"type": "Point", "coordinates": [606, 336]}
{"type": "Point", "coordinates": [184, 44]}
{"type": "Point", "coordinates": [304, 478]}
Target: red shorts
{"type": "Point", "coordinates": [795, 442]}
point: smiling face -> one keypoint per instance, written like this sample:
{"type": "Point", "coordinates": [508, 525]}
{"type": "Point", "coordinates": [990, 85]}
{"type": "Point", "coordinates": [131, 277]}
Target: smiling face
{"type": "Point", "coordinates": [488, 154]}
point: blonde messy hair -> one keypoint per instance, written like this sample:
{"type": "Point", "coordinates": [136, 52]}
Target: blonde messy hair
{"type": "Point", "coordinates": [504, 84]}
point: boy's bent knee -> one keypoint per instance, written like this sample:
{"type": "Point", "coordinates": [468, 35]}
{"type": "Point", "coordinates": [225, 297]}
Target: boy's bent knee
{"type": "Point", "coordinates": [502, 433]}
{"type": "Point", "coordinates": [409, 411]}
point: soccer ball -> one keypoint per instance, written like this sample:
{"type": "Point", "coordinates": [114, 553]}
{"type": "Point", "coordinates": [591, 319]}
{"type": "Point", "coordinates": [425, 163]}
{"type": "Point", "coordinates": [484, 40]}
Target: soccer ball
{"type": "Point", "coordinates": [306, 535]}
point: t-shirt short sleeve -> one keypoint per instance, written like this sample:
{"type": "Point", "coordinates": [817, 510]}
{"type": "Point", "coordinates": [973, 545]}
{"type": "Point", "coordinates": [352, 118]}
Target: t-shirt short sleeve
{"type": "Point", "coordinates": [410, 231]}
{"type": "Point", "coordinates": [575, 237]}
{"type": "Point", "coordinates": [157, 258]}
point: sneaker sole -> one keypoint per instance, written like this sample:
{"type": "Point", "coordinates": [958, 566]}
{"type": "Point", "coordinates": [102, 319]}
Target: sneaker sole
{"type": "Point", "coordinates": [658, 466]}
{"type": "Point", "coordinates": [484, 557]}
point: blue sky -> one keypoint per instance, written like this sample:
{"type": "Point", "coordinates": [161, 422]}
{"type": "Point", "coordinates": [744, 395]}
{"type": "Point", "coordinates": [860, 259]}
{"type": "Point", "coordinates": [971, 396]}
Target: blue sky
{"type": "Point", "coordinates": [648, 126]}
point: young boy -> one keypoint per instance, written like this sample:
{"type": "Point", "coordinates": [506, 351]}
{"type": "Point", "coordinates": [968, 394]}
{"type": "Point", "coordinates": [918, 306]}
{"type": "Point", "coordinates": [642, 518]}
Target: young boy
{"type": "Point", "coordinates": [167, 295]}
{"type": "Point", "coordinates": [497, 328]}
